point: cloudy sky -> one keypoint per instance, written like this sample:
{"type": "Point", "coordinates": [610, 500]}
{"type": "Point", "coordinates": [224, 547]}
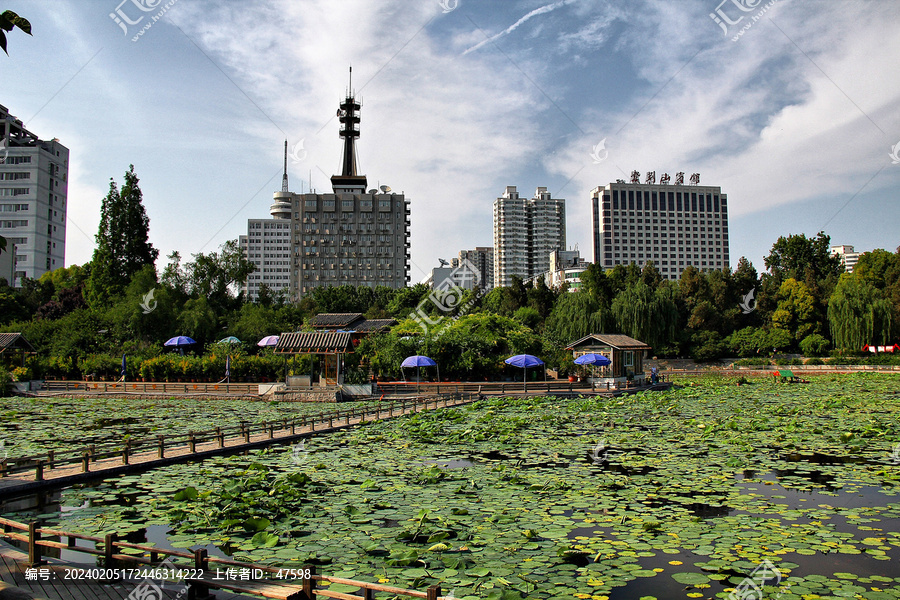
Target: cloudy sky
{"type": "Point", "coordinates": [793, 109]}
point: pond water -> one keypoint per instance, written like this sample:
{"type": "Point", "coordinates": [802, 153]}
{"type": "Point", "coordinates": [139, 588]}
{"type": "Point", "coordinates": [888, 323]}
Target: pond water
{"type": "Point", "coordinates": [550, 498]}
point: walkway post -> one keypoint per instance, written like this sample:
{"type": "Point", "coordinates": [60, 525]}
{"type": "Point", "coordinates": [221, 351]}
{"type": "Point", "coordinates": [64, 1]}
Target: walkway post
{"type": "Point", "coordinates": [34, 551]}
{"type": "Point", "coordinates": [108, 550]}
{"type": "Point", "coordinates": [309, 584]}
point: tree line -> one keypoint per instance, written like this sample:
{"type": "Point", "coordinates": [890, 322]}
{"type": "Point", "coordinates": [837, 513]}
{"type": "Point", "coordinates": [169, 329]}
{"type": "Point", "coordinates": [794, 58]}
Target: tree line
{"type": "Point", "coordinates": [120, 303]}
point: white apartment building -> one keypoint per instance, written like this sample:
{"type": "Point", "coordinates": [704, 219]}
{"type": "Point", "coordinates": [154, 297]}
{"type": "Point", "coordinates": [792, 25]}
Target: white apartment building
{"type": "Point", "coordinates": [848, 255]}
{"type": "Point", "coordinates": [34, 177]}
{"type": "Point", "coordinates": [675, 226]}
{"type": "Point", "coordinates": [526, 230]}
{"type": "Point", "coordinates": [268, 246]}
{"type": "Point", "coordinates": [566, 267]}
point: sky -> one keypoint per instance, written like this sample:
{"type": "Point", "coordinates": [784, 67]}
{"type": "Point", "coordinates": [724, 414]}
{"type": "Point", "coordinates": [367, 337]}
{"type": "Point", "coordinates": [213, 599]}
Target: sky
{"type": "Point", "coordinates": [791, 106]}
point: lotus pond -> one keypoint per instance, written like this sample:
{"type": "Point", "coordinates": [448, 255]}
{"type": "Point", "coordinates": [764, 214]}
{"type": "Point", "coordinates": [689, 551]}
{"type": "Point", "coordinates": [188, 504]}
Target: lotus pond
{"type": "Point", "coordinates": [30, 426]}
{"type": "Point", "coordinates": [677, 494]}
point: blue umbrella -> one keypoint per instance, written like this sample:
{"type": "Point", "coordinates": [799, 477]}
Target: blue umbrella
{"type": "Point", "coordinates": [179, 341]}
{"type": "Point", "coordinates": [229, 340]}
{"type": "Point", "coordinates": [524, 361]}
{"type": "Point", "coordinates": [592, 359]}
{"type": "Point", "coordinates": [419, 361]}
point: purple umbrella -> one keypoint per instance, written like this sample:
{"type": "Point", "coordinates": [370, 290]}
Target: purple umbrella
{"type": "Point", "coordinates": [269, 340]}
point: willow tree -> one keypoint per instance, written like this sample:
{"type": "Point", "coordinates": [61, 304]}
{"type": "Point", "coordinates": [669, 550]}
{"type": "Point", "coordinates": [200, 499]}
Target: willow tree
{"type": "Point", "coordinates": [646, 315]}
{"type": "Point", "coordinates": [858, 314]}
{"type": "Point", "coordinates": [575, 315]}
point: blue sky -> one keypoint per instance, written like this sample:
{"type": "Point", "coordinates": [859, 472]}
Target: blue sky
{"type": "Point", "coordinates": [795, 119]}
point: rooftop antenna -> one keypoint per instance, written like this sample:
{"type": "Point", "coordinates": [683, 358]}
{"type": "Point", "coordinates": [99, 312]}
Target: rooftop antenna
{"type": "Point", "coordinates": [284, 179]}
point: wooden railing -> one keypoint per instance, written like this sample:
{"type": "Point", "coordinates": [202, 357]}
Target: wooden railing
{"type": "Point", "coordinates": [220, 435]}
{"type": "Point", "coordinates": [151, 387]}
{"type": "Point", "coordinates": [205, 573]}
{"type": "Point", "coordinates": [508, 387]}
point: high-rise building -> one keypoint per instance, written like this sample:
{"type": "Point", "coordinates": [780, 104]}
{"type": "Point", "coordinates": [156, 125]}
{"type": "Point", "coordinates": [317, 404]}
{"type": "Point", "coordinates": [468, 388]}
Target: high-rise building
{"type": "Point", "coordinates": [351, 236]}
{"type": "Point", "coordinates": [482, 259]}
{"type": "Point", "coordinates": [526, 230]}
{"type": "Point", "coordinates": [34, 177]}
{"type": "Point", "coordinates": [848, 256]}
{"type": "Point", "coordinates": [268, 245]}
{"type": "Point", "coordinates": [675, 226]}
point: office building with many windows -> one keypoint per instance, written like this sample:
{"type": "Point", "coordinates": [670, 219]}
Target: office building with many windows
{"type": "Point", "coordinates": [526, 230]}
{"type": "Point", "coordinates": [352, 236]}
{"type": "Point", "coordinates": [674, 226]}
{"type": "Point", "coordinates": [34, 176]}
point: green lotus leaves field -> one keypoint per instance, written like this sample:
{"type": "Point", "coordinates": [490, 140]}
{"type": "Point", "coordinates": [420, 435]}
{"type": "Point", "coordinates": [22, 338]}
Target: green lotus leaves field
{"type": "Point", "coordinates": [677, 494]}
{"type": "Point", "coordinates": [32, 426]}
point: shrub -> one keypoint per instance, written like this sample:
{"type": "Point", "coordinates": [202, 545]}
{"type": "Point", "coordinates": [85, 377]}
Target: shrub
{"type": "Point", "coordinates": [788, 361]}
{"type": "Point", "coordinates": [815, 361]}
{"type": "Point", "coordinates": [21, 374]}
{"type": "Point", "coordinates": [751, 362]}
{"type": "Point", "coordinates": [814, 345]}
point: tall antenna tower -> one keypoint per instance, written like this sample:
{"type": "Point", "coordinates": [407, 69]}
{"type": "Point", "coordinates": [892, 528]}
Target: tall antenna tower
{"type": "Point", "coordinates": [284, 179]}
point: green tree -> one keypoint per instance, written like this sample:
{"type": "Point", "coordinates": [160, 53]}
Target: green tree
{"type": "Point", "coordinates": [858, 315]}
{"type": "Point", "coordinates": [214, 276]}
{"type": "Point", "coordinates": [650, 275]}
{"type": "Point", "coordinates": [878, 268]}
{"type": "Point", "coordinates": [541, 298]}
{"type": "Point", "coordinates": [796, 255]}
{"type": "Point", "coordinates": [595, 283]}
{"type": "Point", "coordinates": [645, 315]}
{"type": "Point", "coordinates": [748, 341]}
{"type": "Point", "coordinates": [814, 345]}
{"type": "Point", "coordinates": [198, 320]}
{"type": "Point", "coordinates": [796, 309]}
{"type": "Point", "coordinates": [574, 316]}
{"type": "Point", "coordinates": [123, 246]}
{"type": "Point", "coordinates": [528, 317]}
{"type": "Point", "coordinates": [8, 20]}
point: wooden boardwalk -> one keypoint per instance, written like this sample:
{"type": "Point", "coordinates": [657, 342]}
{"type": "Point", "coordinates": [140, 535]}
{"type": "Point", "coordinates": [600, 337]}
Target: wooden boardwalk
{"type": "Point", "coordinates": [14, 563]}
{"type": "Point", "coordinates": [57, 473]}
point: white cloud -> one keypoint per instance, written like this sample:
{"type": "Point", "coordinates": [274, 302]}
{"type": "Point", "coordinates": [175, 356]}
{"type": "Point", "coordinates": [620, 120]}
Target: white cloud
{"type": "Point", "coordinates": [756, 116]}
{"type": "Point", "coordinates": [538, 11]}
{"type": "Point", "coordinates": [439, 127]}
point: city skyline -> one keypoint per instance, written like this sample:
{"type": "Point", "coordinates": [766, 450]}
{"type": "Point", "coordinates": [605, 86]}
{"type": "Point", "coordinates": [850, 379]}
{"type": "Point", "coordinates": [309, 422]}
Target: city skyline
{"type": "Point", "coordinates": [570, 95]}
